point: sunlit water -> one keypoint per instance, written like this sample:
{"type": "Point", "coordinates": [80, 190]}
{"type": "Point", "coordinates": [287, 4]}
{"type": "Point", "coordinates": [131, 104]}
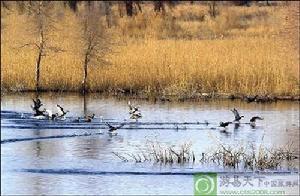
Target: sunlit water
{"type": "Point", "coordinates": [45, 157]}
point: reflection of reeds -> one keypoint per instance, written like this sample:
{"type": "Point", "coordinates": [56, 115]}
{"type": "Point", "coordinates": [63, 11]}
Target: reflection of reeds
{"type": "Point", "coordinates": [227, 156]}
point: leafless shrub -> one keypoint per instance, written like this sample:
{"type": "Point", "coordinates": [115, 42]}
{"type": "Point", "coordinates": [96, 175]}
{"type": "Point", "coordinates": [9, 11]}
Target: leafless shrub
{"type": "Point", "coordinates": [94, 39]}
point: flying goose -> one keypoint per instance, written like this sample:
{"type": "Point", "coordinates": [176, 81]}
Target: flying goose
{"type": "Point", "coordinates": [136, 116]}
{"type": "Point", "coordinates": [132, 108]}
{"type": "Point", "coordinates": [62, 112]}
{"type": "Point", "coordinates": [37, 103]}
{"type": "Point", "coordinates": [50, 115]}
{"type": "Point", "coordinates": [89, 118]}
{"type": "Point", "coordinates": [237, 116]}
{"type": "Point", "coordinates": [113, 129]}
{"type": "Point", "coordinates": [224, 124]}
{"type": "Point", "coordinates": [36, 107]}
{"type": "Point", "coordinates": [253, 119]}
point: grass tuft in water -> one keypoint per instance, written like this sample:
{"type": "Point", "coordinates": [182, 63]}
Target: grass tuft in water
{"type": "Point", "coordinates": [246, 157]}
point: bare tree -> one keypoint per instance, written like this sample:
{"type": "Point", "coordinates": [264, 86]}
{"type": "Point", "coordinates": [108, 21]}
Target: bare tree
{"type": "Point", "coordinates": [95, 40]}
{"type": "Point", "coordinates": [41, 15]}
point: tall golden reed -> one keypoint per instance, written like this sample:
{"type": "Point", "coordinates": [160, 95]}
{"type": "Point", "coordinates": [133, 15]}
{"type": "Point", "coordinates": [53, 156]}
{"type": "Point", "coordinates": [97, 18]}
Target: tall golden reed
{"type": "Point", "coordinates": [245, 50]}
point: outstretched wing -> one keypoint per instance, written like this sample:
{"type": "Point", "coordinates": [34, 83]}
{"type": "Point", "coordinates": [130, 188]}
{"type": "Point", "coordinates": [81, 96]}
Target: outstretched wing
{"type": "Point", "coordinates": [236, 113]}
{"type": "Point", "coordinates": [91, 116]}
{"type": "Point", "coordinates": [120, 126]}
{"type": "Point", "coordinates": [110, 126]}
{"type": "Point", "coordinates": [254, 118]}
{"type": "Point", "coordinates": [38, 101]}
{"type": "Point", "coordinates": [61, 109]}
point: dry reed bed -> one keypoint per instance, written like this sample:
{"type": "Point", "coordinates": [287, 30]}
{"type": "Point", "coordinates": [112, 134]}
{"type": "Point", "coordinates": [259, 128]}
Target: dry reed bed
{"type": "Point", "coordinates": [240, 52]}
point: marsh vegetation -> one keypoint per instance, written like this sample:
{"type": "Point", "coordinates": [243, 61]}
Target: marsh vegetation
{"type": "Point", "coordinates": [180, 50]}
{"type": "Point", "coordinates": [245, 156]}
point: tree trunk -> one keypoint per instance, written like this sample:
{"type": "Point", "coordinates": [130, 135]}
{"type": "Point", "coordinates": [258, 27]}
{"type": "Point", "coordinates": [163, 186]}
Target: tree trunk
{"type": "Point", "coordinates": [212, 9]}
{"type": "Point", "coordinates": [84, 105]}
{"type": "Point", "coordinates": [129, 8]}
{"type": "Point", "coordinates": [85, 67]}
{"type": "Point", "coordinates": [107, 13]}
{"type": "Point", "coordinates": [38, 64]}
{"type": "Point", "coordinates": [39, 59]}
{"type": "Point", "coordinates": [159, 6]}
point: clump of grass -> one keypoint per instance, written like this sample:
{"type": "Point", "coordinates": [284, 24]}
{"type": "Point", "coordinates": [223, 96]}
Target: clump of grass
{"type": "Point", "coordinates": [159, 153]}
{"type": "Point", "coordinates": [249, 158]}
{"type": "Point", "coordinates": [226, 156]}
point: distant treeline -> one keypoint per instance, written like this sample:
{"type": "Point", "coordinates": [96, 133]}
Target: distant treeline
{"type": "Point", "coordinates": [132, 8]}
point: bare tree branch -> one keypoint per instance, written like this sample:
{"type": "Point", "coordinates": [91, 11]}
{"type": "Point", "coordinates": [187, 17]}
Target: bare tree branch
{"type": "Point", "coordinates": [27, 44]}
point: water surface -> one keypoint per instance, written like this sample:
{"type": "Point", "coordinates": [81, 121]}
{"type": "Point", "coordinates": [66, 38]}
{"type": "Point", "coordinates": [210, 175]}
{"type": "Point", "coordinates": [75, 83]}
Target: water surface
{"type": "Point", "coordinates": [46, 157]}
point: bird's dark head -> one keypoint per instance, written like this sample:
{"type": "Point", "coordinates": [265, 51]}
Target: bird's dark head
{"type": "Point", "coordinates": [242, 116]}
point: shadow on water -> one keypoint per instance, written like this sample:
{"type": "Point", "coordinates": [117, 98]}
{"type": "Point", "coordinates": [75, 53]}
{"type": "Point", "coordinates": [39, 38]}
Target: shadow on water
{"type": "Point", "coordinates": [86, 172]}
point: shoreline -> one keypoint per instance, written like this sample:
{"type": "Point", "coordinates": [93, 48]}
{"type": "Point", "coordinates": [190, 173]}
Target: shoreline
{"type": "Point", "coordinates": [172, 97]}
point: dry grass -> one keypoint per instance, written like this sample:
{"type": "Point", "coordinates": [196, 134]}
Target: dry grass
{"type": "Point", "coordinates": [245, 50]}
{"type": "Point", "coordinates": [160, 153]}
{"type": "Point", "coordinates": [247, 157]}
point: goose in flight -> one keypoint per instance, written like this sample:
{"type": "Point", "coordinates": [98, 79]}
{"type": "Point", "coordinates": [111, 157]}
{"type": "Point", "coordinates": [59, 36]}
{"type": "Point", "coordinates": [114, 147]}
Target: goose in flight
{"type": "Point", "coordinates": [237, 116]}
{"type": "Point", "coordinates": [62, 112]}
{"type": "Point", "coordinates": [89, 118]}
{"type": "Point", "coordinates": [113, 129]}
{"type": "Point", "coordinates": [36, 107]}
{"type": "Point", "coordinates": [224, 124]}
{"type": "Point", "coordinates": [136, 116]}
{"type": "Point", "coordinates": [132, 108]}
{"type": "Point", "coordinates": [46, 114]}
{"type": "Point", "coordinates": [253, 120]}
{"type": "Point", "coordinates": [37, 103]}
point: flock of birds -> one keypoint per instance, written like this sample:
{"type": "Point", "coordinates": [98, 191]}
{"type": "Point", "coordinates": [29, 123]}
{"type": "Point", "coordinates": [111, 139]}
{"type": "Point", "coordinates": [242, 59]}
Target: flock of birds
{"type": "Point", "coordinates": [237, 118]}
{"type": "Point", "coordinates": [39, 113]}
{"type": "Point", "coordinates": [134, 112]}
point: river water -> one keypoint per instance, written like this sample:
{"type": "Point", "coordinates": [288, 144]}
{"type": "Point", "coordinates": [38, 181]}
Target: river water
{"type": "Point", "coordinates": [64, 157]}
